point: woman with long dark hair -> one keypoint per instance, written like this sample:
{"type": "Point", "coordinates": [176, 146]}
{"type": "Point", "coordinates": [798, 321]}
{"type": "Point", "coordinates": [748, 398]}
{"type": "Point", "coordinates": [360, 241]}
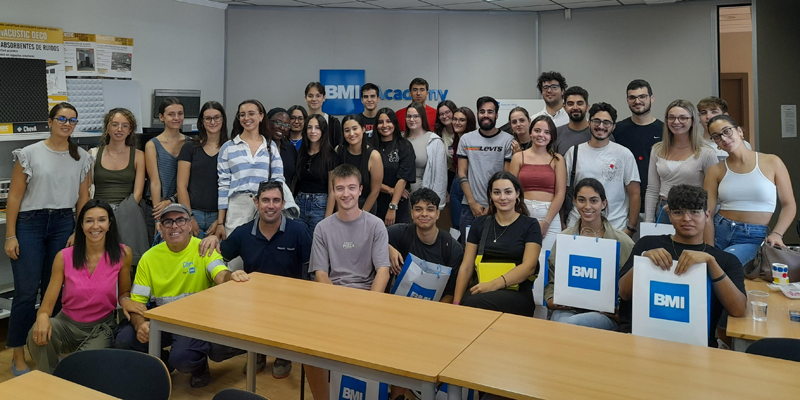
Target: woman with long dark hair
{"type": "Point", "coordinates": [92, 276]}
{"type": "Point", "coordinates": [246, 160]}
{"type": "Point", "coordinates": [507, 235]}
{"type": "Point", "coordinates": [297, 120]}
{"type": "Point", "coordinates": [431, 156]}
{"type": "Point", "coordinates": [463, 122]}
{"type": "Point", "coordinates": [543, 176]}
{"type": "Point", "coordinates": [119, 167]}
{"type": "Point", "coordinates": [161, 158]}
{"type": "Point", "coordinates": [281, 129]}
{"type": "Point", "coordinates": [355, 151]}
{"type": "Point", "coordinates": [197, 169]}
{"type": "Point", "coordinates": [315, 97]}
{"type": "Point", "coordinates": [50, 177]}
{"type": "Point", "coordinates": [315, 160]}
{"type": "Point", "coordinates": [748, 185]}
{"type": "Point", "coordinates": [398, 169]}
{"type": "Point", "coordinates": [520, 122]}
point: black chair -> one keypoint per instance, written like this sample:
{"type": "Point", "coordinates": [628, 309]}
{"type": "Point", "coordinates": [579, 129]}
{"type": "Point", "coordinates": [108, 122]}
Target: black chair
{"type": "Point", "coordinates": [125, 374]}
{"type": "Point", "coordinates": [237, 394]}
{"type": "Point", "coordinates": [785, 349]}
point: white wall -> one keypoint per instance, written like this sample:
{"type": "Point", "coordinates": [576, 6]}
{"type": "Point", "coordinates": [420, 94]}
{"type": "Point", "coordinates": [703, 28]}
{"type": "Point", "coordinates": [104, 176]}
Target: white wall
{"type": "Point", "coordinates": [274, 53]}
{"type": "Point", "coordinates": [175, 45]}
{"type": "Point", "coordinates": [673, 47]}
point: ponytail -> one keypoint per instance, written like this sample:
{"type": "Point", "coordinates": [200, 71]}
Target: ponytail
{"type": "Point", "coordinates": [73, 149]}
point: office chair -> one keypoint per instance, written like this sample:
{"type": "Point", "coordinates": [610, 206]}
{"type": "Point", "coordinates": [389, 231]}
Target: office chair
{"type": "Point", "coordinates": [785, 349]}
{"type": "Point", "coordinates": [237, 394]}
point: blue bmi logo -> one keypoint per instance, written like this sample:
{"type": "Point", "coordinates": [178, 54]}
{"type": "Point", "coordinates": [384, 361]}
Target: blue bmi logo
{"type": "Point", "coordinates": [352, 389]}
{"type": "Point", "coordinates": [419, 292]}
{"type": "Point", "coordinates": [342, 90]}
{"type": "Point", "coordinates": [669, 301]}
{"type": "Point", "coordinates": [584, 272]}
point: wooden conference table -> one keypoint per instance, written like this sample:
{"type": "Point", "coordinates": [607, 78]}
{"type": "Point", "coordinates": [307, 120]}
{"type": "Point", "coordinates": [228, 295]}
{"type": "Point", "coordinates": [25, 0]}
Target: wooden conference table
{"type": "Point", "coordinates": [391, 339]}
{"type": "Point", "coordinates": [777, 325]}
{"type": "Point", "coordinates": [526, 358]}
{"type": "Point", "coordinates": [37, 385]}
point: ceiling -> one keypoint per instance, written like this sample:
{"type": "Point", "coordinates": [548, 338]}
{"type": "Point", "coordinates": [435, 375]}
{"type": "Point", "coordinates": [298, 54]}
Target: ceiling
{"type": "Point", "coordinates": [452, 5]}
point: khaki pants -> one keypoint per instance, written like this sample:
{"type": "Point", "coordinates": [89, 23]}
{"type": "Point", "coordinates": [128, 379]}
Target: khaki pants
{"type": "Point", "coordinates": [69, 336]}
{"type": "Point", "coordinates": [241, 210]}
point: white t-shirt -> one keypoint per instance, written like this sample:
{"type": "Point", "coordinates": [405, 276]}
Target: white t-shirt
{"type": "Point", "coordinates": [561, 118]}
{"type": "Point", "coordinates": [615, 167]}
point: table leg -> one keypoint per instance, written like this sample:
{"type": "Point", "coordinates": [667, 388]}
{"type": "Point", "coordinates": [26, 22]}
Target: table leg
{"type": "Point", "coordinates": [428, 391]}
{"type": "Point", "coordinates": [454, 392]}
{"type": "Point", "coordinates": [155, 339]}
{"type": "Point", "coordinates": [251, 371]}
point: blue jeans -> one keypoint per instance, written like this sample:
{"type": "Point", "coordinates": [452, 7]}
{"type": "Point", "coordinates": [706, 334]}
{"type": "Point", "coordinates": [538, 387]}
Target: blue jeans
{"type": "Point", "coordinates": [466, 220]}
{"type": "Point", "coordinates": [204, 220]}
{"type": "Point", "coordinates": [456, 195]}
{"type": "Point", "coordinates": [738, 238]}
{"type": "Point", "coordinates": [41, 235]}
{"type": "Point", "coordinates": [312, 209]}
{"type": "Point", "coordinates": [588, 319]}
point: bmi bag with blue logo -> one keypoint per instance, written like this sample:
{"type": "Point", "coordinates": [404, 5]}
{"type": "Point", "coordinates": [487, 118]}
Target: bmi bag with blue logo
{"type": "Point", "coordinates": [654, 228]}
{"type": "Point", "coordinates": [586, 271]}
{"type": "Point", "coordinates": [671, 307]}
{"type": "Point", "coordinates": [421, 279]}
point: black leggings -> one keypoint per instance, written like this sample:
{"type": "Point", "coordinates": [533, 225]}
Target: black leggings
{"type": "Point", "coordinates": [518, 302]}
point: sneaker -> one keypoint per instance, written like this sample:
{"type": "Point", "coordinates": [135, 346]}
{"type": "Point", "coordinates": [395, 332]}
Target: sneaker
{"type": "Point", "coordinates": [17, 372]}
{"type": "Point", "coordinates": [201, 380]}
{"type": "Point", "coordinates": [281, 368]}
{"type": "Point", "coordinates": [261, 363]}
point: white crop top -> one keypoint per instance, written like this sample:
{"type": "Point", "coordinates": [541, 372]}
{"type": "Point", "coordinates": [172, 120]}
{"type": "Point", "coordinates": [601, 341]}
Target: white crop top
{"type": "Point", "coordinates": [747, 192]}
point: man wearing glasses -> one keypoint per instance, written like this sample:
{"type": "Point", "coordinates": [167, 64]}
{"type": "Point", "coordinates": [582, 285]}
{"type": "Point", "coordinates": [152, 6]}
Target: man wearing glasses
{"type": "Point", "coordinates": [170, 271]}
{"type": "Point", "coordinates": [688, 213]}
{"type": "Point", "coordinates": [641, 130]}
{"type": "Point", "coordinates": [269, 244]}
{"type": "Point", "coordinates": [552, 85]}
{"type": "Point", "coordinates": [611, 164]}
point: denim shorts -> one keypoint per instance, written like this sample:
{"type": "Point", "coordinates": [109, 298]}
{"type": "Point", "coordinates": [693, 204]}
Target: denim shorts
{"type": "Point", "coordinates": [738, 238]}
{"type": "Point", "coordinates": [312, 209]}
{"type": "Point", "coordinates": [204, 220]}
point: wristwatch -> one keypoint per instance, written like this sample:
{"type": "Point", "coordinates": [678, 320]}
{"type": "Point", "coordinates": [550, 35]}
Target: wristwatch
{"type": "Point", "coordinates": [392, 206]}
{"type": "Point", "coordinates": [632, 229]}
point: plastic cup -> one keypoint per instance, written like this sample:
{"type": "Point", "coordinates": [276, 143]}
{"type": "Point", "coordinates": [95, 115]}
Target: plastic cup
{"type": "Point", "coordinates": [757, 304]}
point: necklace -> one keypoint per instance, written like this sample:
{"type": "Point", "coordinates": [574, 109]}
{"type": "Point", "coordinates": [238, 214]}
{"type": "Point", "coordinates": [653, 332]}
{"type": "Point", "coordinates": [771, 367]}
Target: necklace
{"type": "Point", "coordinates": [494, 230]}
{"type": "Point", "coordinates": [684, 147]}
{"type": "Point", "coordinates": [676, 251]}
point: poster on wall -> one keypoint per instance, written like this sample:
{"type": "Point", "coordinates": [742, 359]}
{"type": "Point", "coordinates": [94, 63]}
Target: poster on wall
{"type": "Point", "coordinates": [114, 56]}
{"type": "Point", "coordinates": [31, 46]}
{"type": "Point", "coordinates": [80, 55]}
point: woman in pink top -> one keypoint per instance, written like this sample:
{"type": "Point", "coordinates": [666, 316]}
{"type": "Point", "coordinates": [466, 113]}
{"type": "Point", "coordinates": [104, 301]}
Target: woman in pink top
{"type": "Point", "coordinates": [543, 176]}
{"type": "Point", "coordinates": [92, 272]}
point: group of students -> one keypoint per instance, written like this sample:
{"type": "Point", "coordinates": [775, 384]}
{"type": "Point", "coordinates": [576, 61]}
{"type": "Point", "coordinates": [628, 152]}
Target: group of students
{"type": "Point", "coordinates": [298, 193]}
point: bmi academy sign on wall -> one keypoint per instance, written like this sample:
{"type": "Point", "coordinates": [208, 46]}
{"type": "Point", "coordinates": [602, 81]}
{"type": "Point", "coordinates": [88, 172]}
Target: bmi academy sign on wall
{"type": "Point", "coordinates": [343, 91]}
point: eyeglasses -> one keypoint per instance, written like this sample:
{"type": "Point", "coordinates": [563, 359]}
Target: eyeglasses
{"type": "Point", "coordinates": [409, 116]}
{"type": "Point", "coordinates": [64, 120]}
{"type": "Point", "coordinates": [681, 213]}
{"type": "Point", "coordinates": [550, 87]}
{"type": "Point", "coordinates": [297, 118]}
{"type": "Point", "coordinates": [641, 97]}
{"type": "Point", "coordinates": [215, 118]}
{"type": "Point", "coordinates": [681, 118]}
{"type": "Point", "coordinates": [606, 123]}
{"type": "Point", "coordinates": [251, 114]}
{"type": "Point", "coordinates": [267, 185]}
{"type": "Point", "coordinates": [726, 132]}
{"type": "Point", "coordinates": [279, 124]}
{"type": "Point", "coordinates": [114, 125]}
{"type": "Point", "coordinates": [180, 221]}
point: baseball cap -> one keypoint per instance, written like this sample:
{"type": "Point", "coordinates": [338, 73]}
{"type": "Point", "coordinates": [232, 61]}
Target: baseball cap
{"type": "Point", "coordinates": [174, 207]}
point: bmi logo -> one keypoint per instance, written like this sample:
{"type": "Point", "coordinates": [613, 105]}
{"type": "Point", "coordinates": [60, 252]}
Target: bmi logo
{"type": "Point", "coordinates": [352, 389]}
{"type": "Point", "coordinates": [419, 292]}
{"type": "Point", "coordinates": [584, 272]}
{"type": "Point", "coordinates": [669, 301]}
{"type": "Point", "coordinates": [342, 90]}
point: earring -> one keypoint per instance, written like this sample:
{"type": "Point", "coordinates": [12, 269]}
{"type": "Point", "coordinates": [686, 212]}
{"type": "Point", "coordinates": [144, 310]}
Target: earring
{"type": "Point", "coordinates": [518, 200]}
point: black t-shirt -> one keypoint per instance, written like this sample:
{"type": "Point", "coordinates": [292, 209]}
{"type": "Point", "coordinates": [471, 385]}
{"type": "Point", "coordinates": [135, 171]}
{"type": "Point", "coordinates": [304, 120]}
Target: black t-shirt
{"type": "Point", "coordinates": [398, 161]}
{"type": "Point", "coordinates": [728, 262]}
{"type": "Point", "coordinates": [370, 134]}
{"type": "Point", "coordinates": [289, 158]}
{"type": "Point", "coordinates": [639, 139]}
{"type": "Point", "coordinates": [202, 177]}
{"type": "Point", "coordinates": [311, 178]}
{"type": "Point", "coordinates": [505, 244]}
{"type": "Point", "coordinates": [361, 161]}
{"type": "Point", "coordinates": [430, 253]}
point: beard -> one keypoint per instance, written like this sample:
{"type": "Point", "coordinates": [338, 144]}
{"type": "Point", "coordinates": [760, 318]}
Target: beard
{"type": "Point", "coordinates": [579, 118]}
{"type": "Point", "coordinates": [644, 111]}
{"type": "Point", "coordinates": [487, 126]}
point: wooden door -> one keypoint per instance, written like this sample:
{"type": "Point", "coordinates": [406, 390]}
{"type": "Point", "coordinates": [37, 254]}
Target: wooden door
{"type": "Point", "coordinates": [733, 87]}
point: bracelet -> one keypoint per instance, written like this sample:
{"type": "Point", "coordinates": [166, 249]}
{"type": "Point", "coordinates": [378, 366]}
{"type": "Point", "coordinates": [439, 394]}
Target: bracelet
{"type": "Point", "coordinates": [720, 278]}
{"type": "Point", "coordinates": [463, 179]}
{"type": "Point", "coordinates": [455, 303]}
{"type": "Point", "coordinates": [632, 229]}
{"type": "Point", "coordinates": [505, 284]}
{"type": "Point", "coordinates": [779, 234]}
{"type": "Point", "coordinates": [11, 237]}
{"type": "Point", "coordinates": [548, 222]}
{"type": "Point", "coordinates": [125, 298]}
